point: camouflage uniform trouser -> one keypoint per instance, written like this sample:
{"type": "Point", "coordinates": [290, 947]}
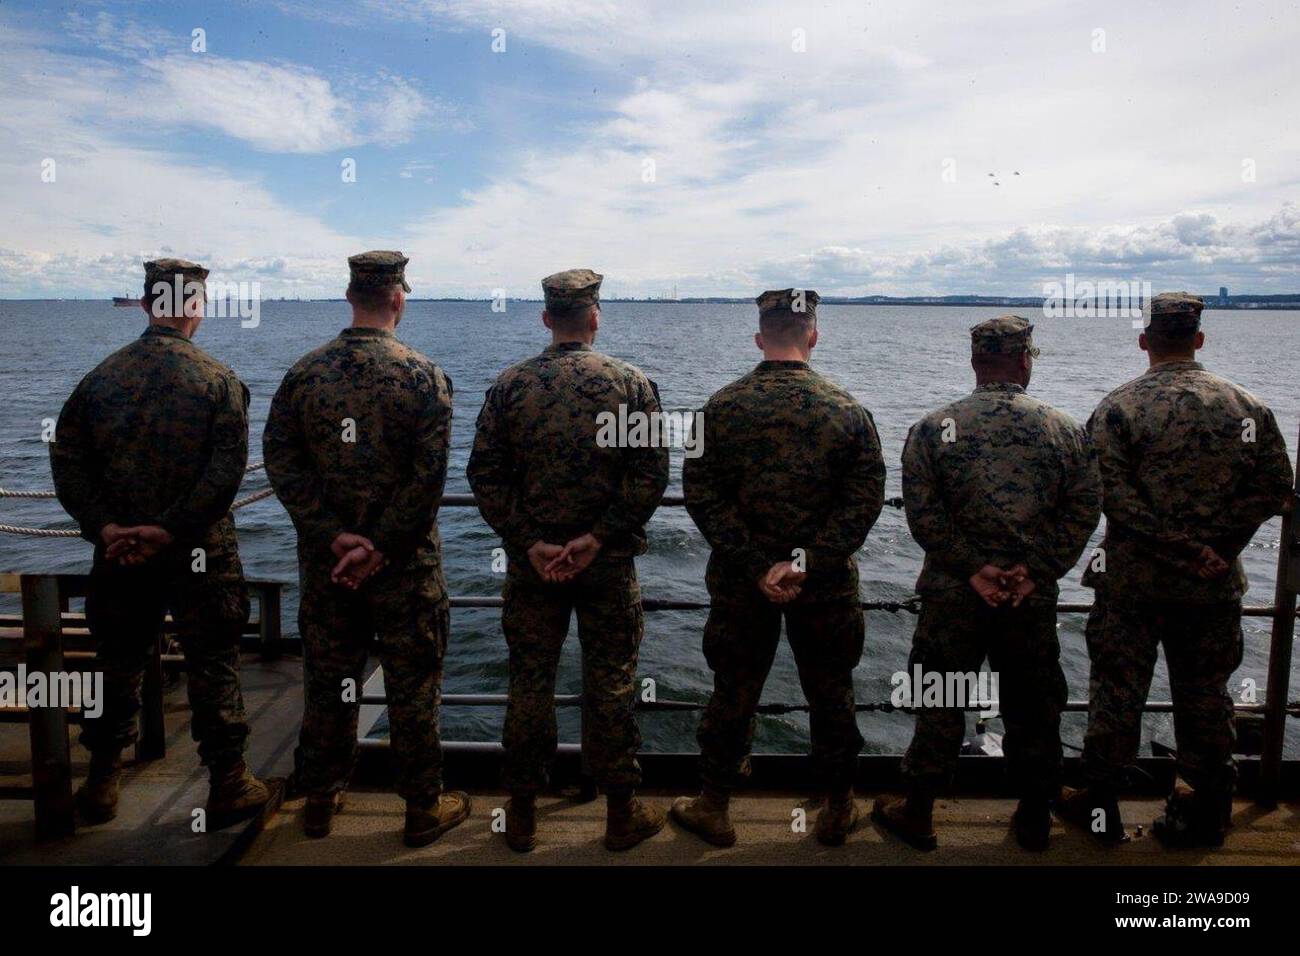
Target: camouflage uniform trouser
{"type": "Point", "coordinates": [124, 610]}
{"type": "Point", "coordinates": [1203, 647]}
{"type": "Point", "coordinates": [953, 635]}
{"type": "Point", "coordinates": [535, 620]}
{"type": "Point", "coordinates": [740, 641]}
{"type": "Point", "coordinates": [406, 610]}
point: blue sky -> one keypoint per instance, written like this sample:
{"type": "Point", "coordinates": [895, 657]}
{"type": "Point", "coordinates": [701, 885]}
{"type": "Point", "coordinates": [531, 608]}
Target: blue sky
{"type": "Point", "coordinates": [720, 148]}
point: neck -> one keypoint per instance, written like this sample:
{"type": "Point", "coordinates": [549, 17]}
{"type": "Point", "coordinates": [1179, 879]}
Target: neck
{"type": "Point", "coordinates": [374, 320]}
{"type": "Point", "coordinates": [563, 338]}
{"type": "Point", "coordinates": [786, 353]}
{"type": "Point", "coordinates": [1161, 358]}
{"type": "Point", "coordinates": [1000, 380]}
{"type": "Point", "coordinates": [184, 326]}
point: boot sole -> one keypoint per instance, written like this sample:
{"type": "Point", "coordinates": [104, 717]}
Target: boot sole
{"type": "Point", "coordinates": [723, 840]}
{"type": "Point", "coordinates": [425, 837]}
{"type": "Point", "coordinates": [631, 840]}
{"type": "Point", "coordinates": [926, 843]}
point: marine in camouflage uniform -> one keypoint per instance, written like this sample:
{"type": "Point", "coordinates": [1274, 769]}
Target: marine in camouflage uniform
{"type": "Point", "coordinates": [543, 480]}
{"type": "Point", "coordinates": [149, 453]}
{"type": "Point", "coordinates": [992, 483]}
{"type": "Point", "coordinates": [791, 471]}
{"type": "Point", "coordinates": [356, 444]}
{"type": "Point", "coordinates": [1189, 462]}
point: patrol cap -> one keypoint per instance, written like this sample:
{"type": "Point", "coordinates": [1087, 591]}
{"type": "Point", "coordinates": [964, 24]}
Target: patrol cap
{"type": "Point", "coordinates": [1005, 335]}
{"type": "Point", "coordinates": [1175, 312]}
{"type": "Point", "coordinates": [793, 301]}
{"type": "Point", "coordinates": [166, 270]}
{"type": "Point", "coordinates": [572, 289]}
{"type": "Point", "coordinates": [378, 268]}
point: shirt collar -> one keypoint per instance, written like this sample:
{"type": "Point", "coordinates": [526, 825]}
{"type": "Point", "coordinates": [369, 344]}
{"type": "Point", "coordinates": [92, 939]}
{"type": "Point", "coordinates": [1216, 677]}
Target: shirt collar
{"type": "Point", "coordinates": [1175, 365]}
{"type": "Point", "coordinates": [773, 365]}
{"type": "Point", "coordinates": [569, 347]}
{"type": "Point", "coordinates": [364, 332]}
{"type": "Point", "coordinates": [1009, 388]}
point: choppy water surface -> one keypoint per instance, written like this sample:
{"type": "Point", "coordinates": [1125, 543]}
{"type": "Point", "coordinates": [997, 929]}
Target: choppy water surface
{"type": "Point", "coordinates": [898, 361]}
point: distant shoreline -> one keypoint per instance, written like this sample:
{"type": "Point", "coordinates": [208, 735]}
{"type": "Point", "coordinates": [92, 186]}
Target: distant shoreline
{"type": "Point", "coordinates": [1247, 303]}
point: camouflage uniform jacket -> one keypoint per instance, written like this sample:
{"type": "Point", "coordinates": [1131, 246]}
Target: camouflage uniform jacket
{"type": "Point", "coordinates": [536, 467]}
{"type": "Point", "coordinates": [999, 477]}
{"type": "Point", "coordinates": [790, 461]}
{"type": "Point", "coordinates": [1187, 459]}
{"type": "Point", "coordinates": [386, 483]}
{"type": "Point", "coordinates": [156, 434]}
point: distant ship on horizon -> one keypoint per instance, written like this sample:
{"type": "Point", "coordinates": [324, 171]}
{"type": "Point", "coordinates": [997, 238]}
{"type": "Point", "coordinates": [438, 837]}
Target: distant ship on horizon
{"type": "Point", "coordinates": [124, 301]}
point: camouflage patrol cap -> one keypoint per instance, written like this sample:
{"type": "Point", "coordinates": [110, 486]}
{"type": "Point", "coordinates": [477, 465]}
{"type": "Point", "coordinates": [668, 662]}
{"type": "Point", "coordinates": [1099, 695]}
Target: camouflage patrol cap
{"type": "Point", "coordinates": [166, 270]}
{"type": "Point", "coordinates": [1005, 335]}
{"type": "Point", "coordinates": [572, 289]}
{"type": "Point", "coordinates": [1175, 312]}
{"type": "Point", "coordinates": [379, 267]}
{"type": "Point", "coordinates": [796, 301]}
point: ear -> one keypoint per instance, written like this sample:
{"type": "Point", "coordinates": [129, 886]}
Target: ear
{"type": "Point", "coordinates": [546, 319]}
{"type": "Point", "coordinates": [812, 339]}
{"type": "Point", "coordinates": [758, 340]}
{"type": "Point", "coordinates": [399, 297]}
{"type": "Point", "coordinates": [1199, 341]}
{"type": "Point", "coordinates": [144, 304]}
{"type": "Point", "coordinates": [593, 320]}
{"type": "Point", "coordinates": [1026, 361]}
{"type": "Point", "coordinates": [1143, 344]}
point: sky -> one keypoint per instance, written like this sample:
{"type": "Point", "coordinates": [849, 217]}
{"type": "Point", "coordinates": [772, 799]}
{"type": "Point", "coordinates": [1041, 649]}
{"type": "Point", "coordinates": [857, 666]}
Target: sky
{"type": "Point", "coordinates": [693, 148]}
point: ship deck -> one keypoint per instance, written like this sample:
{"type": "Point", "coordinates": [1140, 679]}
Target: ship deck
{"type": "Point", "coordinates": [154, 824]}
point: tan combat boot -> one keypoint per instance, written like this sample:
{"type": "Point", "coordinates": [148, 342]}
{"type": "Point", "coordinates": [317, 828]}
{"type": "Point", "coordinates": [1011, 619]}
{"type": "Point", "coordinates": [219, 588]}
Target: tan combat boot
{"type": "Point", "coordinates": [838, 817]}
{"type": "Point", "coordinates": [426, 823]}
{"type": "Point", "coordinates": [318, 814]}
{"type": "Point", "coordinates": [97, 797]}
{"type": "Point", "coordinates": [521, 822]}
{"type": "Point", "coordinates": [706, 816]}
{"type": "Point", "coordinates": [234, 794]}
{"type": "Point", "coordinates": [628, 821]}
{"type": "Point", "coordinates": [1079, 806]}
{"type": "Point", "coordinates": [911, 818]}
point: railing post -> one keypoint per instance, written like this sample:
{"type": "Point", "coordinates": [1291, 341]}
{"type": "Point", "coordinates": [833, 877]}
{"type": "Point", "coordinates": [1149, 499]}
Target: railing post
{"type": "Point", "coordinates": [48, 725]}
{"type": "Point", "coordinates": [268, 619]}
{"type": "Point", "coordinates": [1279, 654]}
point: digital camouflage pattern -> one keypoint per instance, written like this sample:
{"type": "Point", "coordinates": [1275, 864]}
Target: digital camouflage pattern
{"type": "Point", "coordinates": [168, 270]}
{"type": "Point", "coordinates": [158, 434]}
{"type": "Point", "coordinates": [535, 620]}
{"type": "Point", "coordinates": [404, 610]}
{"type": "Point", "coordinates": [1203, 648]}
{"type": "Point", "coordinates": [1175, 312]}
{"type": "Point", "coordinates": [790, 461]}
{"type": "Point", "coordinates": [996, 478]}
{"type": "Point", "coordinates": [1004, 335]}
{"type": "Point", "coordinates": [955, 632]}
{"type": "Point", "coordinates": [386, 484]}
{"type": "Point", "coordinates": [1001, 478]}
{"type": "Point", "coordinates": [539, 475]}
{"type": "Point", "coordinates": [1188, 459]}
{"type": "Point", "coordinates": [379, 267]}
{"type": "Point", "coordinates": [571, 289]}
{"type": "Point", "coordinates": [786, 301]}
{"type": "Point", "coordinates": [740, 642]}
{"type": "Point", "coordinates": [536, 468]}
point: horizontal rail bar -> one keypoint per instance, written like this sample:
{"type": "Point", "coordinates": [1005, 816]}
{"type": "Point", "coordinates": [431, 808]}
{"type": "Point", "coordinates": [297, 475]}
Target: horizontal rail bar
{"type": "Point", "coordinates": [575, 700]}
